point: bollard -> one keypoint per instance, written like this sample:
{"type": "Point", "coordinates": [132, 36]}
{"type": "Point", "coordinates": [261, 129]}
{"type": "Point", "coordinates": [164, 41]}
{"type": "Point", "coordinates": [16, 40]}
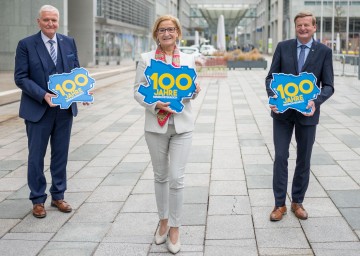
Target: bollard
{"type": "Point", "coordinates": [359, 66]}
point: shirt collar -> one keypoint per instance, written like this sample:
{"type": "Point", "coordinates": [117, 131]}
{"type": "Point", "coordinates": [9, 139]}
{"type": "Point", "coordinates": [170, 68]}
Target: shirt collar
{"type": "Point", "coordinates": [308, 44]}
{"type": "Point", "coordinates": [46, 39]}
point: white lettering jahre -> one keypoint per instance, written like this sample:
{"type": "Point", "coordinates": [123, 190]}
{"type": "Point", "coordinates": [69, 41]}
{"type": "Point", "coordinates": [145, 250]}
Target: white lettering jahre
{"type": "Point", "coordinates": [74, 97]}
{"type": "Point", "coordinates": [293, 103]}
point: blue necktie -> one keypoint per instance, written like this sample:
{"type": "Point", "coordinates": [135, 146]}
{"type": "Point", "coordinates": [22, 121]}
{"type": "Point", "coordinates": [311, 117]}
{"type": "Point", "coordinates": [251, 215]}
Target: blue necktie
{"type": "Point", "coordinates": [301, 57]}
{"type": "Point", "coordinates": [52, 51]}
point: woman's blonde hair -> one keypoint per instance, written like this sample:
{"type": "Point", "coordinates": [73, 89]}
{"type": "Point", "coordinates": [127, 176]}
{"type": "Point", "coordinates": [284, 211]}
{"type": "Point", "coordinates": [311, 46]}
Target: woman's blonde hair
{"type": "Point", "coordinates": [163, 18]}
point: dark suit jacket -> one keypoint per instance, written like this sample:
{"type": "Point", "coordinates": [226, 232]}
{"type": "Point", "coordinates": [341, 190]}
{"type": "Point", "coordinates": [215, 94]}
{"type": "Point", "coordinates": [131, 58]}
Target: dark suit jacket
{"type": "Point", "coordinates": [318, 62]}
{"type": "Point", "coordinates": [32, 72]}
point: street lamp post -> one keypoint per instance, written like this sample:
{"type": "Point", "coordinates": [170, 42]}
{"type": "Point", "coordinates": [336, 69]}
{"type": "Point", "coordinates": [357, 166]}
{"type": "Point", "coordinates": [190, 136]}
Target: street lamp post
{"type": "Point", "coordinates": [332, 26]}
{"type": "Point", "coordinates": [347, 27]}
{"type": "Point", "coordinates": [359, 61]}
{"type": "Point", "coordinates": [321, 22]}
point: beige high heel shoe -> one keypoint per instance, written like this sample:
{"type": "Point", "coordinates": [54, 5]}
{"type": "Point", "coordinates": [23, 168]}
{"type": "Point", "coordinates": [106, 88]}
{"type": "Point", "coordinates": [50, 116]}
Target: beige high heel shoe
{"type": "Point", "coordinates": [160, 239]}
{"type": "Point", "coordinates": [174, 248]}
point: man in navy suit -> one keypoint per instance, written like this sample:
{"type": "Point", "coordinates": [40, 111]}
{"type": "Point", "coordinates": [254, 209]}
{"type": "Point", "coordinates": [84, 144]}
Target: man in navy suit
{"type": "Point", "coordinates": [316, 58]}
{"type": "Point", "coordinates": [37, 57]}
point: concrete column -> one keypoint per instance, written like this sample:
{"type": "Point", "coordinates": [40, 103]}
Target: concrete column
{"type": "Point", "coordinates": [82, 27]}
{"type": "Point", "coordinates": [280, 27]}
{"type": "Point", "coordinates": [18, 19]}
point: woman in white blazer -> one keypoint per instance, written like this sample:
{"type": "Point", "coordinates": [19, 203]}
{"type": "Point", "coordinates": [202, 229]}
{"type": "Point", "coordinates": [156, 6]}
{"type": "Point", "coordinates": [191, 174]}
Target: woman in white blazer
{"type": "Point", "coordinates": [168, 134]}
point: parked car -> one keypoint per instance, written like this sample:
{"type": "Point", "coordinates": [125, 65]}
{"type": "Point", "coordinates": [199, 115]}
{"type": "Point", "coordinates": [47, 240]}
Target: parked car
{"type": "Point", "coordinates": [200, 60]}
{"type": "Point", "coordinates": [190, 50]}
{"type": "Point", "coordinates": [195, 46]}
{"type": "Point", "coordinates": [207, 49]}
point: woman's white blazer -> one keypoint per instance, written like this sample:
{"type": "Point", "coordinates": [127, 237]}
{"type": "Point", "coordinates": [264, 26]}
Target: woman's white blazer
{"type": "Point", "coordinates": [184, 121]}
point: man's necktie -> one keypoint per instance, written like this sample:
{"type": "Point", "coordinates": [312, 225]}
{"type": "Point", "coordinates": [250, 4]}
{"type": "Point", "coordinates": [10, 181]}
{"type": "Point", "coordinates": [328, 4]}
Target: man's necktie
{"type": "Point", "coordinates": [301, 57]}
{"type": "Point", "coordinates": [52, 51]}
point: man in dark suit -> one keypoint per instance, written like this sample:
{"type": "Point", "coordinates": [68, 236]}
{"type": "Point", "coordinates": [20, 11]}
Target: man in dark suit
{"type": "Point", "coordinates": [315, 58]}
{"type": "Point", "coordinates": [37, 57]}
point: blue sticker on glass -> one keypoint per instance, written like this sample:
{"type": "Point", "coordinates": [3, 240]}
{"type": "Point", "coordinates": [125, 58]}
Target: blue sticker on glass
{"type": "Point", "coordinates": [71, 87]}
{"type": "Point", "coordinates": [293, 91]}
{"type": "Point", "coordinates": [167, 83]}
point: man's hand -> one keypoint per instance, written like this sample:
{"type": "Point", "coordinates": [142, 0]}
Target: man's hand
{"type": "Point", "coordinates": [48, 97]}
{"type": "Point", "coordinates": [273, 107]}
{"type": "Point", "coordinates": [311, 105]}
{"type": "Point", "coordinates": [164, 106]}
{"type": "Point", "coordinates": [88, 103]}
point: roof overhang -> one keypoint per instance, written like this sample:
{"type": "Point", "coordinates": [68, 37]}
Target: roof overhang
{"type": "Point", "coordinates": [232, 13]}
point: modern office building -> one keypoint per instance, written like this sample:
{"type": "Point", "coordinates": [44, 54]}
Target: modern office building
{"type": "Point", "coordinates": [121, 28]}
{"type": "Point", "coordinates": [17, 20]}
{"type": "Point", "coordinates": [205, 15]}
{"type": "Point", "coordinates": [338, 23]}
{"type": "Point", "coordinates": [109, 31]}
{"type": "Point", "coordinates": [106, 31]}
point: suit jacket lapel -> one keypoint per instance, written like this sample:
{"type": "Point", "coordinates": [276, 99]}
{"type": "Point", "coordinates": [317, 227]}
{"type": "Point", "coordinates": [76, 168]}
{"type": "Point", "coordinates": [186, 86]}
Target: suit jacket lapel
{"type": "Point", "coordinates": [62, 47]}
{"type": "Point", "coordinates": [311, 54]}
{"type": "Point", "coordinates": [294, 55]}
{"type": "Point", "coordinates": [42, 51]}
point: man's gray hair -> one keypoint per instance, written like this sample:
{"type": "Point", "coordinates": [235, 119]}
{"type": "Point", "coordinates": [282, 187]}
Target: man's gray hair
{"type": "Point", "coordinates": [48, 8]}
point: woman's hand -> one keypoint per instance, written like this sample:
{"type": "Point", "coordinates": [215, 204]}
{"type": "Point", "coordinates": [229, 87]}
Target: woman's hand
{"type": "Point", "coordinates": [164, 106]}
{"type": "Point", "coordinates": [198, 89]}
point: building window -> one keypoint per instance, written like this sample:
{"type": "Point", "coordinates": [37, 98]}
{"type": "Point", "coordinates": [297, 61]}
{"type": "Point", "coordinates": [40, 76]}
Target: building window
{"type": "Point", "coordinates": [135, 12]}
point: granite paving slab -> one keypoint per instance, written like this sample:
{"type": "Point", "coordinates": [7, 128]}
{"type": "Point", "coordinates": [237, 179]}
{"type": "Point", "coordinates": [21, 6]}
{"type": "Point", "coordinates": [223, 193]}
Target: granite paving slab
{"type": "Point", "coordinates": [328, 229]}
{"type": "Point", "coordinates": [281, 238]}
{"type": "Point", "coordinates": [346, 198]}
{"type": "Point", "coordinates": [69, 248]}
{"type": "Point", "coordinates": [14, 209]}
{"type": "Point", "coordinates": [110, 194]}
{"type": "Point", "coordinates": [228, 179]}
{"type": "Point", "coordinates": [352, 216]}
{"type": "Point", "coordinates": [21, 247]}
{"type": "Point", "coordinates": [229, 227]}
{"type": "Point", "coordinates": [229, 205]}
{"type": "Point", "coordinates": [82, 232]}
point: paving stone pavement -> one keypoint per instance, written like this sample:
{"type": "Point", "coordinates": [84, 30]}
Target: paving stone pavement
{"type": "Point", "coordinates": [228, 195]}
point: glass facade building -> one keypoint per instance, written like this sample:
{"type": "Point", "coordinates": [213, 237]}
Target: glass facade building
{"type": "Point", "coordinates": [122, 29]}
{"type": "Point", "coordinates": [274, 21]}
{"type": "Point", "coordinates": [109, 31]}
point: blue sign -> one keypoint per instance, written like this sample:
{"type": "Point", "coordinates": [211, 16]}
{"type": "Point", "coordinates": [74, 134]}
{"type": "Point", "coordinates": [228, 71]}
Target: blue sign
{"type": "Point", "coordinates": [293, 91]}
{"type": "Point", "coordinates": [167, 83]}
{"type": "Point", "coordinates": [71, 87]}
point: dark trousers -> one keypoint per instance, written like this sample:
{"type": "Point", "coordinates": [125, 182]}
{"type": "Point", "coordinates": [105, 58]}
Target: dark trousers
{"type": "Point", "coordinates": [54, 125]}
{"type": "Point", "coordinates": [305, 138]}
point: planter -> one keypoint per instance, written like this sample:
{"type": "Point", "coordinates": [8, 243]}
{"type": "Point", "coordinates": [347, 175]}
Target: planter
{"type": "Point", "coordinates": [247, 64]}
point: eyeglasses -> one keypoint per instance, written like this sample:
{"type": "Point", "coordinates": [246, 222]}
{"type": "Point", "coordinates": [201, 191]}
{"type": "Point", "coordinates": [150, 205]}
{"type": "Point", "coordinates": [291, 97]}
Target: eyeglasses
{"type": "Point", "coordinates": [170, 30]}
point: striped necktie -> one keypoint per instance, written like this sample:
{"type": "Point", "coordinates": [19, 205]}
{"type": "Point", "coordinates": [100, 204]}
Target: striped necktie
{"type": "Point", "coordinates": [52, 51]}
{"type": "Point", "coordinates": [301, 57]}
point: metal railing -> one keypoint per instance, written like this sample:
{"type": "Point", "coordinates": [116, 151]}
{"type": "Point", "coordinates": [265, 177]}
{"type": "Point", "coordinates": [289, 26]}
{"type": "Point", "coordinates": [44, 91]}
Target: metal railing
{"type": "Point", "coordinates": [346, 65]}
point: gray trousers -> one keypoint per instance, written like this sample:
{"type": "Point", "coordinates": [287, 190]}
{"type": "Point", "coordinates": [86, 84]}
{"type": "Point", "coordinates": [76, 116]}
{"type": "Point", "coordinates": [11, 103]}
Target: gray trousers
{"type": "Point", "coordinates": [169, 153]}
